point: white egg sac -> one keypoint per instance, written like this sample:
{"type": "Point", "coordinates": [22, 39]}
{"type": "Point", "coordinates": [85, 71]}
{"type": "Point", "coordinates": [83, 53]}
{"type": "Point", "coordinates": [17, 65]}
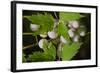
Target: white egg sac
{"type": "Point", "coordinates": [75, 24]}
{"type": "Point", "coordinates": [34, 27]}
{"type": "Point", "coordinates": [82, 33]}
{"type": "Point", "coordinates": [76, 38]}
{"type": "Point", "coordinates": [52, 34]}
{"type": "Point", "coordinates": [41, 42]}
{"type": "Point", "coordinates": [63, 40]}
{"type": "Point", "coordinates": [69, 25]}
{"type": "Point", "coordinates": [43, 35]}
{"type": "Point", "coordinates": [71, 33]}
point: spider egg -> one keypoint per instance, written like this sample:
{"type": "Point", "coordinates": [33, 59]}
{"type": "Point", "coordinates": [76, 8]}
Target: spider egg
{"type": "Point", "coordinates": [74, 24]}
{"type": "Point", "coordinates": [41, 42]}
{"type": "Point", "coordinates": [69, 25]}
{"type": "Point", "coordinates": [71, 33]}
{"type": "Point", "coordinates": [82, 33]}
{"type": "Point", "coordinates": [63, 40]}
{"type": "Point", "coordinates": [34, 27]}
{"type": "Point", "coordinates": [76, 38]}
{"type": "Point", "coordinates": [52, 34]}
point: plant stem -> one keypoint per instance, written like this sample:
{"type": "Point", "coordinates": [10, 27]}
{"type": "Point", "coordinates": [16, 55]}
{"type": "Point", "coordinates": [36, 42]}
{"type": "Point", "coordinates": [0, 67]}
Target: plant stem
{"type": "Point", "coordinates": [55, 15]}
{"type": "Point", "coordinates": [28, 33]}
{"type": "Point", "coordinates": [28, 46]}
{"type": "Point", "coordinates": [36, 39]}
{"type": "Point", "coordinates": [59, 51]}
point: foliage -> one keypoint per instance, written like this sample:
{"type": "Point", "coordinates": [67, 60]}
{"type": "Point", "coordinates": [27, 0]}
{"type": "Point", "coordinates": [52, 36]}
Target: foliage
{"type": "Point", "coordinates": [70, 50]}
{"type": "Point", "coordinates": [47, 23]}
{"type": "Point", "coordinates": [69, 16]}
{"type": "Point", "coordinates": [63, 31]}
{"type": "Point", "coordinates": [48, 54]}
{"type": "Point", "coordinates": [23, 57]}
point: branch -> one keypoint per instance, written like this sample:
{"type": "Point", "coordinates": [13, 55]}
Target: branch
{"type": "Point", "coordinates": [55, 15]}
{"type": "Point", "coordinates": [28, 46]}
{"type": "Point", "coordinates": [28, 33]}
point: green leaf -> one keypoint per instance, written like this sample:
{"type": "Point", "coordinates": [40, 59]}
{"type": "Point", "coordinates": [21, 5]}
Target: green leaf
{"type": "Point", "coordinates": [40, 19]}
{"type": "Point", "coordinates": [37, 57]}
{"type": "Point", "coordinates": [46, 22]}
{"type": "Point", "coordinates": [69, 16]}
{"type": "Point", "coordinates": [63, 31]}
{"type": "Point", "coordinates": [49, 54]}
{"type": "Point", "coordinates": [50, 50]}
{"type": "Point", "coordinates": [69, 51]}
